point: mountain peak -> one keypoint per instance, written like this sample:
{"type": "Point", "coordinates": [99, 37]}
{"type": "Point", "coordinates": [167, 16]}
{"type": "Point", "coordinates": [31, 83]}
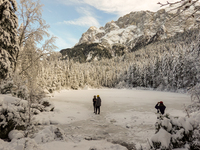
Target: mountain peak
{"type": "Point", "coordinates": [92, 28]}
{"type": "Point", "coordinates": [131, 27]}
{"type": "Point", "coordinates": [129, 33]}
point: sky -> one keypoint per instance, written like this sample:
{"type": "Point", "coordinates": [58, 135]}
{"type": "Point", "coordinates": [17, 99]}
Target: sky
{"type": "Point", "coordinates": [69, 19]}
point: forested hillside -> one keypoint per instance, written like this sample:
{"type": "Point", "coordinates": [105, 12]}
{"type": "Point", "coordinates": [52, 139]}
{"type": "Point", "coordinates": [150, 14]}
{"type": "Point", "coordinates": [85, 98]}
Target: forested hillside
{"type": "Point", "coordinates": [169, 64]}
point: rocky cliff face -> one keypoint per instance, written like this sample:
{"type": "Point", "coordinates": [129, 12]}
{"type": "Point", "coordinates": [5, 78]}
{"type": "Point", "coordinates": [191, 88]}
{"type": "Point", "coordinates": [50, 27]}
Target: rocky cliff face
{"type": "Point", "coordinates": [136, 27]}
{"type": "Point", "coordinates": [136, 30]}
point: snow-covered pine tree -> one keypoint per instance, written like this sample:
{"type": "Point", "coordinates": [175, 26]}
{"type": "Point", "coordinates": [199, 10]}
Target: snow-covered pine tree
{"type": "Point", "coordinates": [8, 38]}
{"type": "Point", "coordinates": [81, 79]}
{"type": "Point", "coordinates": [74, 80]}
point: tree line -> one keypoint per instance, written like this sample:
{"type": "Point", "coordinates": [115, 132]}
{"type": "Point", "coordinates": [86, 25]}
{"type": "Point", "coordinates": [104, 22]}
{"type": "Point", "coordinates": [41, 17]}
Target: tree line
{"type": "Point", "coordinates": [166, 65]}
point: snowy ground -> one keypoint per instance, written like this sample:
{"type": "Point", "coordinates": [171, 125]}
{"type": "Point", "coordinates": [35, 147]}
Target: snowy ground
{"type": "Point", "coordinates": [127, 116]}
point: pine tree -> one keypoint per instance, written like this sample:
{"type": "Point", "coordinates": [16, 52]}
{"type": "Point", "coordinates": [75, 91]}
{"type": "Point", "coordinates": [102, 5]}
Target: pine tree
{"type": "Point", "coordinates": [8, 38]}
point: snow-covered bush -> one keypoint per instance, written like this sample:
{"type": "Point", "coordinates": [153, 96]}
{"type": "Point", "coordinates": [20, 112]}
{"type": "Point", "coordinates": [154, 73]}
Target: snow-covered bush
{"type": "Point", "coordinates": [9, 87]}
{"type": "Point", "coordinates": [48, 134]}
{"type": "Point", "coordinates": [22, 92]}
{"type": "Point", "coordinates": [18, 142]}
{"type": "Point", "coordinates": [42, 105]}
{"type": "Point", "coordinates": [15, 134]}
{"type": "Point", "coordinates": [6, 87]}
{"type": "Point", "coordinates": [12, 116]}
{"type": "Point", "coordinates": [21, 144]}
{"type": "Point", "coordinates": [15, 114]}
{"type": "Point", "coordinates": [194, 107]}
{"type": "Point", "coordinates": [176, 132]}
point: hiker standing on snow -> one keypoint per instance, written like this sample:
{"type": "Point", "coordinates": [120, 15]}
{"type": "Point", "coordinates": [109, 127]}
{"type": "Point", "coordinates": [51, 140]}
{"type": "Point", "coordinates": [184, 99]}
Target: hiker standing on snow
{"type": "Point", "coordinates": [160, 107]}
{"type": "Point", "coordinates": [94, 103]}
{"type": "Point", "coordinates": [98, 104]}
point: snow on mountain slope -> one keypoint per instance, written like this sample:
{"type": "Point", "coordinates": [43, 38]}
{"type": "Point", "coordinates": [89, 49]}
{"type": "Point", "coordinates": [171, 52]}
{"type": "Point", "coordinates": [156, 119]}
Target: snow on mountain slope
{"type": "Point", "coordinates": [129, 28]}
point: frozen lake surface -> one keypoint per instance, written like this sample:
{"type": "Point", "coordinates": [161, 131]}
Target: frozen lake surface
{"type": "Point", "coordinates": [126, 116]}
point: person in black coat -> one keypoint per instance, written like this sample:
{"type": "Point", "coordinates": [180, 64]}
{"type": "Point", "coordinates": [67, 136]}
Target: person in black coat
{"type": "Point", "coordinates": [98, 104]}
{"type": "Point", "coordinates": [160, 107]}
{"type": "Point", "coordinates": [94, 103]}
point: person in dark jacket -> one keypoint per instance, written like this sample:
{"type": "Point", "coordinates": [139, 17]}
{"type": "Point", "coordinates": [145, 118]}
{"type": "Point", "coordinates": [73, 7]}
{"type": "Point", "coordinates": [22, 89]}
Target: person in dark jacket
{"type": "Point", "coordinates": [98, 104]}
{"type": "Point", "coordinates": [94, 103]}
{"type": "Point", "coordinates": [160, 107]}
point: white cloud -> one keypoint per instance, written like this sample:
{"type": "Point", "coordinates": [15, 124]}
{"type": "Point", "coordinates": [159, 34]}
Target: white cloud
{"type": "Point", "coordinates": [87, 18]}
{"type": "Point", "coordinates": [87, 11]}
{"type": "Point", "coordinates": [126, 6]}
{"type": "Point", "coordinates": [63, 43]}
{"type": "Point", "coordinates": [119, 7]}
{"type": "Point", "coordinates": [84, 21]}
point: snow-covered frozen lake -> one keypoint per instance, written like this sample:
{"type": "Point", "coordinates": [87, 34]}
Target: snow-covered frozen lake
{"type": "Point", "coordinates": [126, 115]}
